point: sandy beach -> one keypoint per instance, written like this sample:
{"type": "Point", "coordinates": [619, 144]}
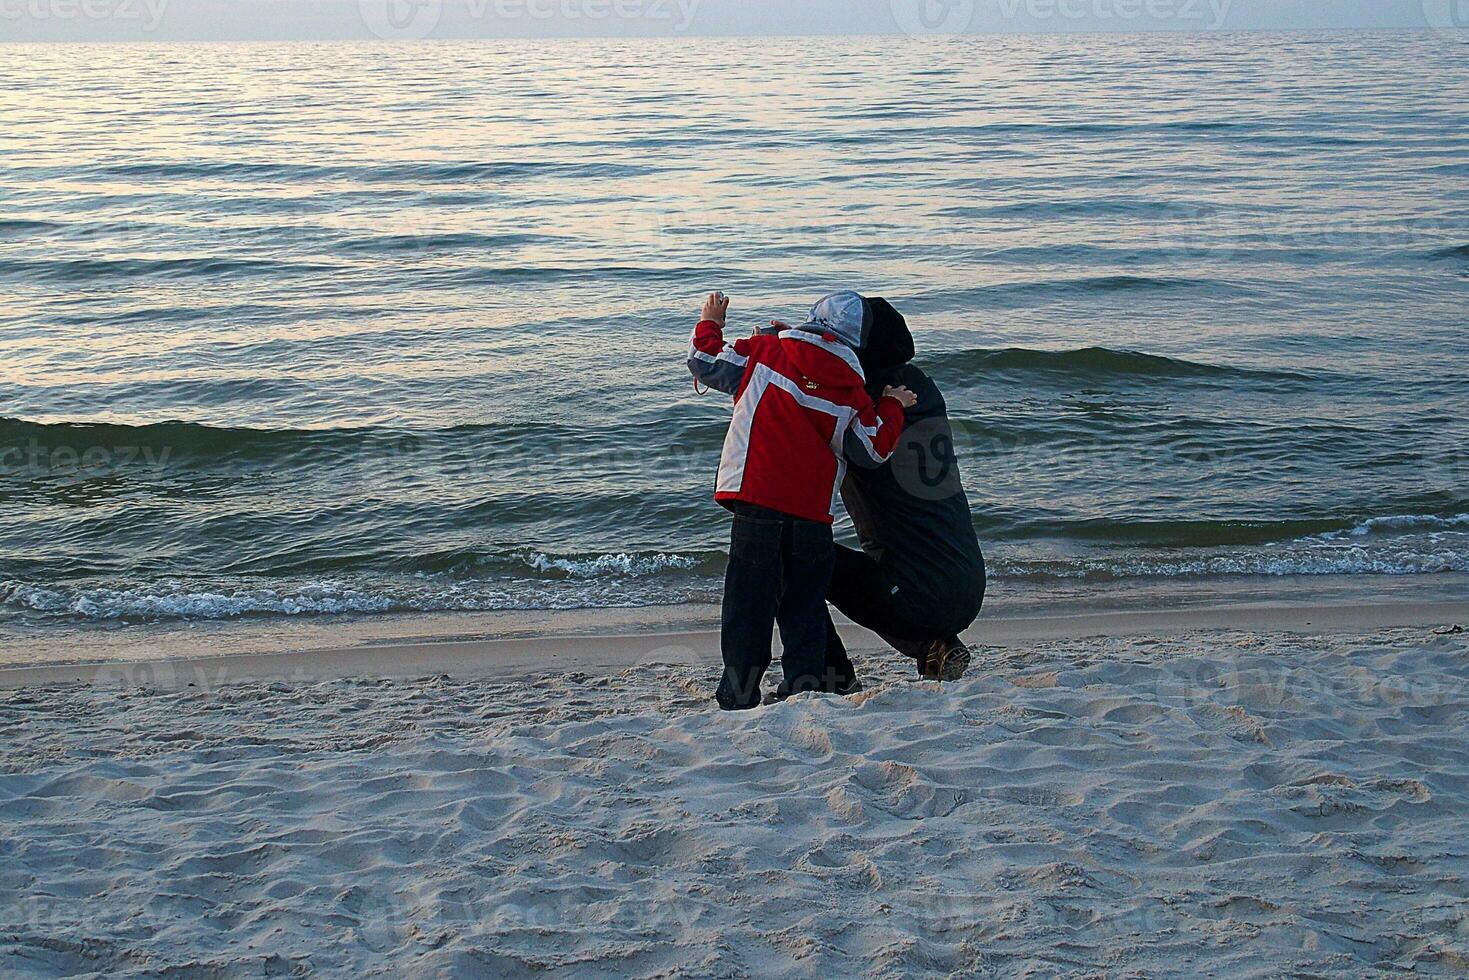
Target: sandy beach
{"type": "Point", "coordinates": [1257, 791]}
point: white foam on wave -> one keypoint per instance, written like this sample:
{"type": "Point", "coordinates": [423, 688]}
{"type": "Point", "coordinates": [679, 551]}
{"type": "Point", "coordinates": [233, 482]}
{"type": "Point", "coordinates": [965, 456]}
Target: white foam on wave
{"type": "Point", "coordinates": [597, 566]}
{"type": "Point", "coordinates": [1403, 544]}
{"type": "Point", "coordinates": [1407, 522]}
{"type": "Point", "coordinates": [586, 582]}
{"type": "Point", "coordinates": [1281, 562]}
{"type": "Point", "coordinates": [1391, 545]}
{"type": "Point", "coordinates": [175, 600]}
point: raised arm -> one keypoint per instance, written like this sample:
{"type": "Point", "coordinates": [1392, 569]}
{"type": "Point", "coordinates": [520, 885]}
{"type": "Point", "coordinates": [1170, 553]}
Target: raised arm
{"type": "Point", "coordinates": [711, 360]}
{"type": "Point", "coordinates": [873, 434]}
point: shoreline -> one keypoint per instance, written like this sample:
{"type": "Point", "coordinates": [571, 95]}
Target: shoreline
{"type": "Point", "coordinates": [606, 641]}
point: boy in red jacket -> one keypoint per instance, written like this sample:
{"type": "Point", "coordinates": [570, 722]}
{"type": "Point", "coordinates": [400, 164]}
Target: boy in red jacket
{"type": "Point", "coordinates": [800, 405]}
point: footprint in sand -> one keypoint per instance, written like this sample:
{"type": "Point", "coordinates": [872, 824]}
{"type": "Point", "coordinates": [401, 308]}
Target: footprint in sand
{"type": "Point", "coordinates": [905, 792]}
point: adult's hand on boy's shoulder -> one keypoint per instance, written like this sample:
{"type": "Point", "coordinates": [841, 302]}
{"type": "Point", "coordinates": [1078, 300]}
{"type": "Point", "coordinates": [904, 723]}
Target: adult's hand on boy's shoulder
{"type": "Point", "coordinates": [716, 308]}
{"type": "Point", "coordinates": [905, 397]}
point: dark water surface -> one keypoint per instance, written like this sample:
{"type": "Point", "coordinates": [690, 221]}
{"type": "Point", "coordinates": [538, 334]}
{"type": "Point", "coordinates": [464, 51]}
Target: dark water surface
{"type": "Point", "coordinates": [347, 328]}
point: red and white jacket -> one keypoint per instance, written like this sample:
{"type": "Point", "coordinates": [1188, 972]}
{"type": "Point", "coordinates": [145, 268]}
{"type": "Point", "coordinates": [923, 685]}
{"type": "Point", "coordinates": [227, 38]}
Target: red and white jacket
{"type": "Point", "coordinates": [800, 409]}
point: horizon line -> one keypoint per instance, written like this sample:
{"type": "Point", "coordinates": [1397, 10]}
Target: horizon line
{"type": "Point", "coordinates": [892, 35]}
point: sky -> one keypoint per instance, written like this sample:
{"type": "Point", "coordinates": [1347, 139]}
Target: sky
{"type": "Point", "coordinates": [179, 20]}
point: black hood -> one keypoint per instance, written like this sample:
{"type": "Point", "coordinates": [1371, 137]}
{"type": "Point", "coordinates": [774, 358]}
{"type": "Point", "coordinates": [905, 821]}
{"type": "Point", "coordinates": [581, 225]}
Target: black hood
{"type": "Point", "coordinates": [889, 344]}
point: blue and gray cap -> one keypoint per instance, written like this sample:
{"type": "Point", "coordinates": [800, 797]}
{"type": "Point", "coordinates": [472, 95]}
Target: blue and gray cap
{"type": "Point", "coordinates": [845, 314]}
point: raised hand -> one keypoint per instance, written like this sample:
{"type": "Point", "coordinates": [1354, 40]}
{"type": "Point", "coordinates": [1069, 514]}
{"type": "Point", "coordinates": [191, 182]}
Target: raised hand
{"type": "Point", "coordinates": [716, 308]}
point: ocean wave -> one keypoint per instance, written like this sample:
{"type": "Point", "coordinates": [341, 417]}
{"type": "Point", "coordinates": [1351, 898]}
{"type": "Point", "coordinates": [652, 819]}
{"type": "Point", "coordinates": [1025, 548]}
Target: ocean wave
{"type": "Point", "coordinates": [455, 582]}
{"type": "Point", "coordinates": [1397, 544]}
{"type": "Point", "coordinates": [1097, 284]}
{"type": "Point", "coordinates": [15, 227]}
{"type": "Point", "coordinates": [168, 443]}
{"type": "Point", "coordinates": [527, 580]}
{"type": "Point", "coordinates": [598, 566]}
{"type": "Point", "coordinates": [437, 242]}
{"type": "Point", "coordinates": [165, 601]}
{"type": "Point", "coordinates": [179, 600]}
{"type": "Point", "coordinates": [1042, 130]}
{"type": "Point", "coordinates": [1408, 522]}
{"type": "Point", "coordinates": [430, 172]}
{"type": "Point", "coordinates": [201, 439]}
{"type": "Point", "coordinates": [1214, 534]}
{"type": "Point", "coordinates": [531, 565]}
{"type": "Point", "coordinates": [1173, 534]}
{"type": "Point", "coordinates": [191, 438]}
{"type": "Point", "coordinates": [1348, 561]}
{"type": "Point", "coordinates": [639, 274]}
{"type": "Point", "coordinates": [207, 267]}
{"type": "Point", "coordinates": [1452, 252]}
{"type": "Point", "coordinates": [1084, 207]}
{"type": "Point", "coordinates": [1097, 362]}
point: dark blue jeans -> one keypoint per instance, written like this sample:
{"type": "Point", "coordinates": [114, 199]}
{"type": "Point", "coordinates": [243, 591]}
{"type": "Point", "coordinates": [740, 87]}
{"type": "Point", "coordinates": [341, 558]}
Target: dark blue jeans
{"type": "Point", "coordinates": [779, 569]}
{"type": "Point", "coordinates": [863, 590]}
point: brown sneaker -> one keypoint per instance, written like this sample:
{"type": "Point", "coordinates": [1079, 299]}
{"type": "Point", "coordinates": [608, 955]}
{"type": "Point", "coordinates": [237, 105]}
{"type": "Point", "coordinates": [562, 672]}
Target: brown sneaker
{"type": "Point", "coordinates": [948, 660]}
{"type": "Point", "coordinates": [928, 664]}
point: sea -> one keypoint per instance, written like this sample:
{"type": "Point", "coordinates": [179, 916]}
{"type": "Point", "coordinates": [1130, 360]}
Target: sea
{"type": "Point", "coordinates": [346, 330]}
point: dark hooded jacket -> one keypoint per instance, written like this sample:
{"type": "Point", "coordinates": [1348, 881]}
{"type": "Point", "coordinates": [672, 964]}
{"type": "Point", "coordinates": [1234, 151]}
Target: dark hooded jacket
{"type": "Point", "coordinates": [911, 513]}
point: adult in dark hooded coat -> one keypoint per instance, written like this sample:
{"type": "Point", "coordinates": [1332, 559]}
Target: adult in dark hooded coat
{"type": "Point", "coordinates": [919, 579]}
